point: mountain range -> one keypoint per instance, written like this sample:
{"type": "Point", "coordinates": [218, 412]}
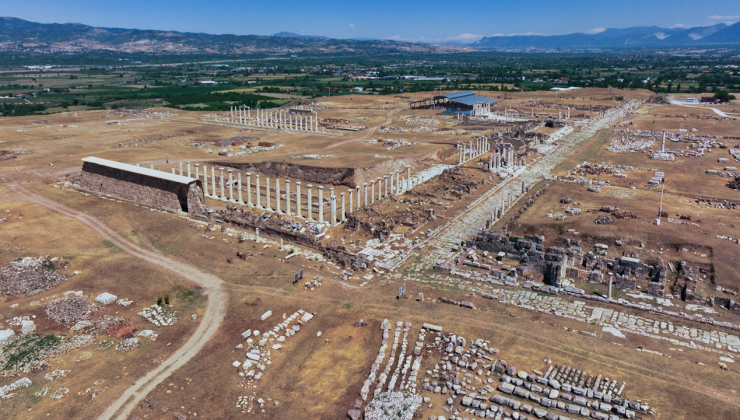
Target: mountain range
{"type": "Point", "coordinates": [18, 35]}
{"type": "Point", "coordinates": [635, 37]}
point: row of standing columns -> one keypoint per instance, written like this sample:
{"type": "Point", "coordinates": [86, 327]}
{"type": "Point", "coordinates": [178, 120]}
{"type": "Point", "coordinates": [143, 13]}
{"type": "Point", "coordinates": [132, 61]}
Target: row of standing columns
{"type": "Point", "coordinates": [471, 151]}
{"type": "Point", "coordinates": [276, 118]}
{"type": "Point", "coordinates": [393, 183]}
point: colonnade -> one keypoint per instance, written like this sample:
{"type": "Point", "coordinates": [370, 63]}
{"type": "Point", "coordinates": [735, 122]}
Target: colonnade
{"type": "Point", "coordinates": [277, 118]}
{"type": "Point", "coordinates": [473, 149]}
{"type": "Point", "coordinates": [220, 186]}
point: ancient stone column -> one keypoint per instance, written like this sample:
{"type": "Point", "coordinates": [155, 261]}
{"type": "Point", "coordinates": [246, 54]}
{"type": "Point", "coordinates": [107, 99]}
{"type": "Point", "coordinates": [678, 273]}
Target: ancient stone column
{"type": "Point", "coordinates": [385, 185]}
{"type": "Point", "coordinates": [173, 171]}
{"type": "Point", "coordinates": [267, 194]}
{"type": "Point", "coordinates": [257, 189]}
{"type": "Point", "coordinates": [239, 187]}
{"type": "Point", "coordinates": [277, 195]}
{"type": "Point", "coordinates": [231, 183]}
{"type": "Point", "coordinates": [287, 196]}
{"type": "Point", "coordinates": [222, 182]}
{"type": "Point", "coordinates": [609, 291]}
{"type": "Point", "coordinates": [350, 200]}
{"type": "Point", "coordinates": [321, 204]}
{"type": "Point", "coordinates": [189, 176]}
{"type": "Point", "coordinates": [470, 149]}
{"type": "Point", "coordinates": [213, 181]}
{"type": "Point", "coordinates": [459, 155]}
{"type": "Point", "coordinates": [408, 178]}
{"type": "Point", "coordinates": [232, 114]}
{"type": "Point", "coordinates": [309, 215]}
{"type": "Point", "coordinates": [332, 207]}
{"type": "Point", "coordinates": [298, 198]}
{"type": "Point", "coordinates": [358, 195]}
{"type": "Point", "coordinates": [372, 192]}
{"type": "Point", "coordinates": [342, 215]}
{"type": "Point", "coordinates": [490, 162]}
{"type": "Point", "coordinates": [249, 189]}
{"type": "Point", "coordinates": [257, 234]}
{"type": "Point", "coordinates": [180, 168]}
{"type": "Point", "coordinates": [197, 172]}
{"type": "Point", "coordinates": [391, 183]}
{"type": "Point", "coordinates": [398, 182]}
{"type": "Point", "coordinates": [205, 180]}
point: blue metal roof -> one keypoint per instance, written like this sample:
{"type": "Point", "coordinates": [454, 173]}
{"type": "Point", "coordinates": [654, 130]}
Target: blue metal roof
{"type": "Point", "coordinates": [456, 94]}
{"type": "Point", "coordinates": [466, 98]}
{"type": "Point", "coordinates": [470, 100]}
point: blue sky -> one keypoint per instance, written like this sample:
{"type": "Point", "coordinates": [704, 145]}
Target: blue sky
{"type": "Point", "coordinates": [414, 20]}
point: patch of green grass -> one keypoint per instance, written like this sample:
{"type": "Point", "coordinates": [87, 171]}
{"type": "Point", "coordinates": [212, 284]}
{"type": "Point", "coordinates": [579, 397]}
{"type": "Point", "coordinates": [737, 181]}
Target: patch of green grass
{"type": "Point", "coordinates": [112, 247]}
{"type": "Point", "coordinates": [28, 349]}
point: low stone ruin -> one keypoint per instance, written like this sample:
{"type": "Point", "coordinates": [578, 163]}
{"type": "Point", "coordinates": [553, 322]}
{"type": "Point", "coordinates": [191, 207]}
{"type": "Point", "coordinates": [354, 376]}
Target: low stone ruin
{"type": "Point", "coordinates": [30, 275]}
{"type": "Point", "coordinates": [69, 311]}
{"type": "Point", "coordinates": [393, 405]}
{"type": "Point", "coordinates": [605, 220]}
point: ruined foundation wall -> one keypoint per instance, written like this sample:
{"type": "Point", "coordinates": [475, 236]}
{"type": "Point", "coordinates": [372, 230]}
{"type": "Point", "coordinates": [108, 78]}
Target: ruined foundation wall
{"type": "Point", "coordinates": [149, 191]}
{"type": "Point", "coordinates": [332, 176]}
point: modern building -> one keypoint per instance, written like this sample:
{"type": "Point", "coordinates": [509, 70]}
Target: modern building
{"type": "Point", "coordinates": [458, 102]}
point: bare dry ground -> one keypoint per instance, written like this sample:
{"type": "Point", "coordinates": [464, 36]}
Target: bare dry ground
{"type": "Point", "coordinates": [312, 376]}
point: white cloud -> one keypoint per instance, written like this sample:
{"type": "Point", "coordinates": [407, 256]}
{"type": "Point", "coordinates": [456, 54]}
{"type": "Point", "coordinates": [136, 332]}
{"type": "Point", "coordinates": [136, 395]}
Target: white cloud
{"type": "Point", "coordinates": [351, 25]}
{"type": "Point", "coordinates": [595, 30]}
{"type": "Point", "coordinates": [464, 38]}
{"type": "Point", "coordinates": [717, 17]}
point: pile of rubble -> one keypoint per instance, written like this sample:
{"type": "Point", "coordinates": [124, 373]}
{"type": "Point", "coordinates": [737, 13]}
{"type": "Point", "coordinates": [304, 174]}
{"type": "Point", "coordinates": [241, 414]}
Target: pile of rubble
{"type": "Point", "coordinates": [70, 310]}
{"type": "Point", "coordinates": [145, 140]}
{"type": "Point", "coordinates": [393, 405]}
{"type": "Point", "coordinates": [30, 276]}
{"type": "Point", "coordinates": [629, 144]}
{"type": "Point", "coordinates": [237, 139]}
{"type": "Point", "coordinates": [128, 344]}
{"type": "Point", "coordinates": [31, 352]}
{"type": "Point", "coordinates": [159, 315]}
{"type": "Point", "coordinates": [605, 220]}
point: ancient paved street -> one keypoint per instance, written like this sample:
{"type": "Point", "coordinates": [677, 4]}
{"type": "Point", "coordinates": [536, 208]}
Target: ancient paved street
{"type": "Point", "coordinates": [439, 246]}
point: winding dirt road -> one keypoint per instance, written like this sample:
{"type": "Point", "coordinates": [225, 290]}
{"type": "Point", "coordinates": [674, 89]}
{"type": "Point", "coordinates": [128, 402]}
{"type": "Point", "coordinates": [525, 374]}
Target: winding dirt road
{"type": "Point", "coordinates": [212, 318]}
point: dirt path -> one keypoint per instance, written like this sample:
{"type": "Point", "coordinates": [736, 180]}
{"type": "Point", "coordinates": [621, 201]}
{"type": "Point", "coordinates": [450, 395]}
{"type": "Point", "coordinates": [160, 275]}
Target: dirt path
{"type": "Point", "coordinates": [212, 318]}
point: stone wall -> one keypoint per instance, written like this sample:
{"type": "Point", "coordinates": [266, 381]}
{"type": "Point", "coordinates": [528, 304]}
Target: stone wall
{"type": "Point", "coordinates": [142, 189]}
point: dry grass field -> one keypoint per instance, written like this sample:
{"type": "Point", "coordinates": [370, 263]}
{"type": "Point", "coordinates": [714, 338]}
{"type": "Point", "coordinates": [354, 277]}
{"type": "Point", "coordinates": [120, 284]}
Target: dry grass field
{"type": "Point", "coordinates": [319, 376]}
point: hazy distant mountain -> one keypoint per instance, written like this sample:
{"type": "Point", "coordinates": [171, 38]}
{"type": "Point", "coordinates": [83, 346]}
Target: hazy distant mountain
{"type": "Point", "coordinates": [292, 35]}
{"type": "Point", "coordinates": [18, 35]}
{"type": "Point", "coordinates": [640, 36]}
